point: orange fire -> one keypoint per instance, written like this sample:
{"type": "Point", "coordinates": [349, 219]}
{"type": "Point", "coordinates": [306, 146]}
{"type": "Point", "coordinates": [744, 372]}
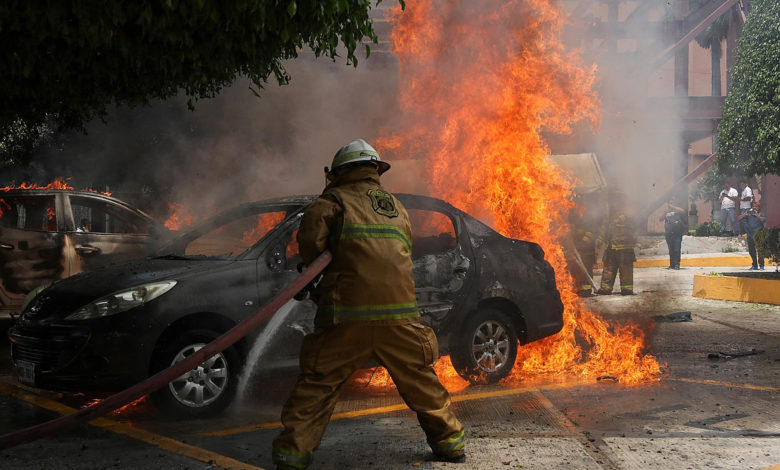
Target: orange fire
{"type": "Point", "coordinates": [179, 217]}
{"type": "Point", "coordinates": [58, 183]}
{"type": "Point", "coordinates": [128, 407]}
{"type": "Point", "coordinates": [479, 83]}
{"type": "Point", "coordinates": [265, 222]}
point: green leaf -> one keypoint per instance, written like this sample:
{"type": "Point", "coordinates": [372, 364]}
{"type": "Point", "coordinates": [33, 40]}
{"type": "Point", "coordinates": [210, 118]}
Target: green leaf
{"type": "Point", "coordinates": [291, 8]}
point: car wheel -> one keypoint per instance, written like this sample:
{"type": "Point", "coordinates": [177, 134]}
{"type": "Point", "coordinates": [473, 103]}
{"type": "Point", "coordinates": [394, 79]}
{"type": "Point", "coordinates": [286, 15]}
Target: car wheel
{"type": "Point", "coordinates": [203, 391]}
{"type": "Point", "coordinates": [486, 347]}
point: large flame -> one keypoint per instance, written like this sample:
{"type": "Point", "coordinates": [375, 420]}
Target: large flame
{"type": "Point", "coordinates": [479, 82]}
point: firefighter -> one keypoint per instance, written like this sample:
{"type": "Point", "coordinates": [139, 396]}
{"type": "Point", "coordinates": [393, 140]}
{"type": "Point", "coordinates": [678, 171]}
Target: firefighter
{"type": "Point", "coordinates": [366, 310]}
{"type": "Point", "coordinates": [583, 228]}
{"type": "Point", "coordinates": [619, 254]}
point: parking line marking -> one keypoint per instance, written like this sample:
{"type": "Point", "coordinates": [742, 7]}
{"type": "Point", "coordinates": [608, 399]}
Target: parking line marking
{"type": "Point", "coordinates": [165, 443]}
{"type": "Point", "coordinates": [401, 407]}
{"type": "Point", "coordinates": [762, 388]}
{"type": "Point", "coordinates": [469, 397]}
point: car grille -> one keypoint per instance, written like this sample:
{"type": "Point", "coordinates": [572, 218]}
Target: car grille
{"type": "Point", "coordinates": [45, 359]}
{"type": "Point", "coordinates": [49, 347]}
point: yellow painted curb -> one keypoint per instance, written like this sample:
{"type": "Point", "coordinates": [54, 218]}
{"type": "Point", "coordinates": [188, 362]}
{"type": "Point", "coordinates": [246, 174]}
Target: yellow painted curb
{"type": "Point", "coordinates": [737, 261]}
{"type": "Point", "coordinates": [743, 289]}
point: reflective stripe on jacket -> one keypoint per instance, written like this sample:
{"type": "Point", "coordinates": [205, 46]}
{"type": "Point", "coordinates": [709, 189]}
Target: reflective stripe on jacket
{"type": "Point", "coordinates": [369, 233]}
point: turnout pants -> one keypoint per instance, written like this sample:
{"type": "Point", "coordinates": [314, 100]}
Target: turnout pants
{"type": "Point", "coordinates": [330, 355]}
{"type": "Point", "coordinates": [622, 262]}
{"type": "Point", "coordinates": [583, 282]}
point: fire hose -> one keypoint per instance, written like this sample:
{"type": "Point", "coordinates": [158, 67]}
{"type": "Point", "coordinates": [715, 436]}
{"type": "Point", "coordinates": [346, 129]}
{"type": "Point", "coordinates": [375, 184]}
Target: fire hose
{"type": "Point", "coordinates": [165, 376]}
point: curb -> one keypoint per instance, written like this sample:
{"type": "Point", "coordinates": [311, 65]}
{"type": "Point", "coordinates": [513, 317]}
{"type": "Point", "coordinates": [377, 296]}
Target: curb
{"type": "Point", "coordinates": [730, 261]}
{"type": "Point", "coordinates": [742, 289]}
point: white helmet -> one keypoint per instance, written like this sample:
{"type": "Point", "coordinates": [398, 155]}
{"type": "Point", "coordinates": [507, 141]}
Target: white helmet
{"type": "Point", "coordinates": [357, 151]}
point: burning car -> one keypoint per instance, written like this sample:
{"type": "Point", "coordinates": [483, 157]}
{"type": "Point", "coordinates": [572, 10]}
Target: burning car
{"type": "Point", "coordinates": [49, 234]}
{"type": "Point", "coordinates": [482, 293]}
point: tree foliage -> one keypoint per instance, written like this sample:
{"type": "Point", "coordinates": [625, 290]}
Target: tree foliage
{"type": "Point", "coordinates": [749, 134]}
{"type": "Point", "coordinates": [66, 61]}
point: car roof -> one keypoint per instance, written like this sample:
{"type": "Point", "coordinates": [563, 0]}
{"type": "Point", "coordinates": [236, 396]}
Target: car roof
{"type": "Point", "coordinates": [74, 192]}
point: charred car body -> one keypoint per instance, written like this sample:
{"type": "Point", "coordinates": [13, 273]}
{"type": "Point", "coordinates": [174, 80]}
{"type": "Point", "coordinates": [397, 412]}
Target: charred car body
{"type": "Point", "coordinates": [51, 234]}
{"type": "Point", "coordinates": [103, 330]}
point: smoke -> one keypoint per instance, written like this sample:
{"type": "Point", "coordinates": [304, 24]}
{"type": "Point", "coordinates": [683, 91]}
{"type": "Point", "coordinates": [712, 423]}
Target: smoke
{"type": "Point", "coordinates": [640, 142]}
{"type": "Point", "coordinates": [237, 147]}
{"type": "Point", "coordinates": [230, 149]}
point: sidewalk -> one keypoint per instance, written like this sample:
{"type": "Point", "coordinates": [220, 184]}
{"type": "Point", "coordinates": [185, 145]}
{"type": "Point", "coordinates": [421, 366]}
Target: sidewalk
{"type": "Point", "coordinates": [696, 251]}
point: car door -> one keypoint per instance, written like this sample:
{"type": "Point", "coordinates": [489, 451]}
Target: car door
{"type": "Point", "coordinates": [31, 246]}
{"type": "Point", "coordinates": [278, 266]}
{"type": "Point", "coordinates": [442, 266]}
{"type": "Point", "coordinates": [100, 233]}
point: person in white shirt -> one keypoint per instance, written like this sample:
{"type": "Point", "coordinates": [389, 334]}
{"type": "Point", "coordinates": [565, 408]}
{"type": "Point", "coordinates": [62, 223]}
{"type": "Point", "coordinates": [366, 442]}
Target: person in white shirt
{"type": "Point", "coordinates": [727, 199]}
{"type": "Point", "coordinates": [745, 200]}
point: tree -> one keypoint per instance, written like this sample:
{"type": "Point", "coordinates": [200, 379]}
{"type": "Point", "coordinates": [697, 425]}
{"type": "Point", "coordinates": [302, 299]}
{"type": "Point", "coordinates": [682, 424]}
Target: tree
{"type": "Point", "coordinates": [66, 61]}
{"type": "Point", "coordinates": [749, 133]}
{"type": "Point", "coordinates": [711, 38]}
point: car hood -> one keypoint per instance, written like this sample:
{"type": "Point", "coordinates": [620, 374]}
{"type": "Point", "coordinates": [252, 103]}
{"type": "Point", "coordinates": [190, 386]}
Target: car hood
{"type": "Point", "coordinates": [63, 297]}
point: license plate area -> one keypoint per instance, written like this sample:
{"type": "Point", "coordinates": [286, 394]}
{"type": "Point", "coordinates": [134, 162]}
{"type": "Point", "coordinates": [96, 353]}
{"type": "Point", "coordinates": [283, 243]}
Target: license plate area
{"type": "Point", "coordinates": [26, 372]}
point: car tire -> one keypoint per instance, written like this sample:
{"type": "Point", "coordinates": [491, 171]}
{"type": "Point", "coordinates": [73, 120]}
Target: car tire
{"type": "Point", "coordinates": [207, 389]}
{"type": "Point", "coordinates": [486, 347]}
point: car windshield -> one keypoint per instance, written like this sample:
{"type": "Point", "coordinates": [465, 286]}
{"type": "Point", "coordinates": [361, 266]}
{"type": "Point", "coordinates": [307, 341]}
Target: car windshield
{"type": "Point", "coordinates": [227, 235]}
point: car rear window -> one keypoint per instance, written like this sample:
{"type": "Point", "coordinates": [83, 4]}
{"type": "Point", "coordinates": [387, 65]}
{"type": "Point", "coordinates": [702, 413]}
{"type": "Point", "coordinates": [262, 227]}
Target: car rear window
{"type": "Point", "coordinates": [433, 232]}
{"type": "Point", "coordinates": [35, 213]}
{"type": "Point", "coordinates": [234, 237]}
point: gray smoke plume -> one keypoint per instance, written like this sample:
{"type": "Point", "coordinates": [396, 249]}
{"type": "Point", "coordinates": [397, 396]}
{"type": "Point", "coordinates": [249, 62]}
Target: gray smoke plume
{"type": "Point", "coordinates": [230, 149]}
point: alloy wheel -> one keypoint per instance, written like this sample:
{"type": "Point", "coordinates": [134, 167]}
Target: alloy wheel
{"type": "Point", "coordinates": [490, 346]}
{"type": "Point", "coordinates": [202, 385]}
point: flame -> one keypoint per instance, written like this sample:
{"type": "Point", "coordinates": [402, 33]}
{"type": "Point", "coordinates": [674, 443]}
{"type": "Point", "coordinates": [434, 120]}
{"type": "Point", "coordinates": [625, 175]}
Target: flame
{"type": "Point", "coordinates": [126, 408]}
{"type": "Point", "coordinates": [378, 378]}
{"type": "Point", "coordinates": [265, 222]}
{"type": "Point", "coordinates": [478, 86]}
{"type": "Point", "coordinates": [179, 217]}
{"type": "Point", "coordinates": [58, 183]}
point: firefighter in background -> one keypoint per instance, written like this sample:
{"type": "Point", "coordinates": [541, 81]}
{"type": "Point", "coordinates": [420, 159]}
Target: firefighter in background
{"type": "Point", "coordinates": [366, 310]}
{"type": "Point", "coordinates": [583, 220]}
{"type": "Point", "coordinates": [620, 241]}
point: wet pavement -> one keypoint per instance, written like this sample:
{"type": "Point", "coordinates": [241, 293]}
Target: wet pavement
{"type": "Point", "coordinates": [718, 412]}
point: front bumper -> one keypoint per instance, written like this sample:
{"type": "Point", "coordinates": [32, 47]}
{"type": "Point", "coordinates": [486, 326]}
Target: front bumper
{"type": "Point", "coordinates": [76, 357]}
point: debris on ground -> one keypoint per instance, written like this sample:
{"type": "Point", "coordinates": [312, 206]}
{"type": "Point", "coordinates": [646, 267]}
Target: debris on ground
{"type": "Point", "coordinates": [675, 317]}
{"type": "Point", "coordinates": [607, 377]}
{"type": "Point", "coordinates": [731, 355]}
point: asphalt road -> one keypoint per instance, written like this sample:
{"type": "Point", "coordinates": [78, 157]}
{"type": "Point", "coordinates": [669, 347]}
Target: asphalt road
{"type": "Point", "coordinates": [720, 413]}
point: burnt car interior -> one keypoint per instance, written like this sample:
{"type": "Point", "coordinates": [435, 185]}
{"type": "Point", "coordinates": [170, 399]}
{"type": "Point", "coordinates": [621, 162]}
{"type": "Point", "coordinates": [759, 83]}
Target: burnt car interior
{"type": "Point", "coordinates": [29, 213]}
{"type": "Point", "coordinates": [96, 216]}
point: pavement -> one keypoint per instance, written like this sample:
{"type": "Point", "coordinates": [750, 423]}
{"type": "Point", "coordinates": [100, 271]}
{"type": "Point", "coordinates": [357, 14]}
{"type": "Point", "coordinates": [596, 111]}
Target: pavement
{"type": "Point", "coordinates": [720, 413]}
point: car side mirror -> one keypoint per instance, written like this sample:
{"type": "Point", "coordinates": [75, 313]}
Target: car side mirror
{"type": "Point", "coordinates": [275, 258]}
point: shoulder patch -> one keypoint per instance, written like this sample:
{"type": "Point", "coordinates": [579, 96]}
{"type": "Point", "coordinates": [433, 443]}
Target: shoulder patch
{"type": "Point", "coordinates": [383, 203]}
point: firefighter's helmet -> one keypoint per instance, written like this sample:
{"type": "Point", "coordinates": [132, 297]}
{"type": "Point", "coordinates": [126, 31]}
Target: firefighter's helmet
{"type": "Point", "coordinates": [357, 151]}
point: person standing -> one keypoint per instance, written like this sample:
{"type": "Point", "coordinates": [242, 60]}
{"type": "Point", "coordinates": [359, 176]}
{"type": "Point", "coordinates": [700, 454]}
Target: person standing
{"type": "Point", "coordinates": [728, 197]}
{"type": "Point", "coordinates": [619, 254]}
{"type": "Point", "coordinates": [753, 220]}
{"type": "Point", "coordinates": [745, 202]}
{"type": "Point", "coordinates": [366, 310]}
{"type": "Point", "coordinates": [675, 226]}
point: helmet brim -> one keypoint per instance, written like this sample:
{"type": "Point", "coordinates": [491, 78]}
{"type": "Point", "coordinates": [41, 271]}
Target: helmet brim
{"type": "Point", "coordinates": [382, 166]}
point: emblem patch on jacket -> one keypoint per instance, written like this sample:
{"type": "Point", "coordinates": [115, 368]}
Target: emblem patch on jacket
{"type": "Point", "coordinates": [382, 202]}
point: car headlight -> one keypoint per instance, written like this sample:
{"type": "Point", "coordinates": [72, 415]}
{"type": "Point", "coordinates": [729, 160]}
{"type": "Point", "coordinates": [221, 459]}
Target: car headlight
{"type": "Point", "coordinates": [122, 301]}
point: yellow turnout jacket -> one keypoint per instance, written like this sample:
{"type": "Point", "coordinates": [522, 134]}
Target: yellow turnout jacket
{"type": "Point", "coordinates": [368, 231]}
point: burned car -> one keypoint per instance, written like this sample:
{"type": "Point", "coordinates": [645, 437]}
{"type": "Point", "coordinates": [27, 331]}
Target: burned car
{"type": "Point", "coordinates": [482, 293]}
{"type": "Point", "coordinates": [49, 234]}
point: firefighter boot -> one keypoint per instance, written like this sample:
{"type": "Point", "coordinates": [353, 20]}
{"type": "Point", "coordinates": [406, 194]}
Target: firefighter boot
{"type": "Point", "coordinates": [451, 449]}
